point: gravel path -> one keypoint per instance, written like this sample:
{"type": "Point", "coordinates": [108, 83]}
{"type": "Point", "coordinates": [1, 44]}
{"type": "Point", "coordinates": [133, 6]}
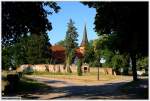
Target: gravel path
{"type": "Point", "coordinates": [69, 89]}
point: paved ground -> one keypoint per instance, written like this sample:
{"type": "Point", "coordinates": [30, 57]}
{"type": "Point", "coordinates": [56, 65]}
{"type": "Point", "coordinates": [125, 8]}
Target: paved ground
{"type": "Point", "coordinates": [70, 89]}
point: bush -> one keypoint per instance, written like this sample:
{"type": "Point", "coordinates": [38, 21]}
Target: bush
{"type": "Point", "coordinates": [142, 63]}
{"type": "Point", "coordinates": [79, 70]}
{"type": "Point", "coordinates": [118, 61]}
{"type": "Point", "coordinates": [94, 64]}
{"type": "Point", "coordinates": [28, 70]}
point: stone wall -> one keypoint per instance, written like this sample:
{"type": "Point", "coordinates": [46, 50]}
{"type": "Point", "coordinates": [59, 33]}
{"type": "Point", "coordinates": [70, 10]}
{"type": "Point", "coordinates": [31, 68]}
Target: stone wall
{"type": "Point", "coordinates": [104, 70]}
{"type": "Point", "coordinates": [62, 69]}
{"type": "Point", "coordinates": [48, 67]}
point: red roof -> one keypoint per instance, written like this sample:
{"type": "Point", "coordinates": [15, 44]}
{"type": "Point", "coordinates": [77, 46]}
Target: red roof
{"type": "Point", "coordinates": [58, 53]}
{"type": "Point", "coordinates": [58, 48]}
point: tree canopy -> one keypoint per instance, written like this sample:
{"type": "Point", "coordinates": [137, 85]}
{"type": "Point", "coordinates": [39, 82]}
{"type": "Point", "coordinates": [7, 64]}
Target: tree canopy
{"type": "Point", "coordinates": [70, 43]}
{"type": "Point", "coordinates": [21, 18]}
{"type": "Point", "coordinates": [71, 37]}
{"type": "Point", "coordinates": [128, 19]}
{"type": "Point", "coordinates": [127, 24]}
{"type": "Point", "coordinates": [33, 49]}
{"type": "Point", "coordinates": [61, 42]}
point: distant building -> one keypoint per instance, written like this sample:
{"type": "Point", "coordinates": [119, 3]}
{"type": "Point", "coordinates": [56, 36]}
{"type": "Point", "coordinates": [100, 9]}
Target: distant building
{"type": "Point", "coordinates": [58, 51]}
{"type": "Point", "coordinates": [84, 41]}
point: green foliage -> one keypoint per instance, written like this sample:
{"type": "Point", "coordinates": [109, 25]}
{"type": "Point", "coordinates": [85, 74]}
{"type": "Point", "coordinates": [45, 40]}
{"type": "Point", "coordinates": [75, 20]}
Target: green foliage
{"type": "Point", "coordinates": [142, 63]}
{"type": "Point", "coordinates": [89, 54]}
{"type": "Point", "coordinates": [118, 61]}
{"type": "Point", "coordinates": [31, 49]}
{"type": "Point", "coordinates": [6, 58]}
{"type": "Point", "coordinates": [101, 43]}
{"type": "Point", "coordinates": [21, 18]}
{"type": "Point", "coordinates": [129, 21]}
{"type": "Point", "coordinates": [62, 43]}
{"type": "Point", "coordinates": [69, 60]}
{"type": "Point", "coordinates": [36, 49]}
{"type": "Point", "coordinates": [95, 63]}
{"type": "Point", "coordinates": [70, 43]}
{"type": "Point", "coordinates": [107, 54]}
{"type": "Point", "coordinates": [79, 70]}
{"type": "Point", "coordinates": [71, 37]}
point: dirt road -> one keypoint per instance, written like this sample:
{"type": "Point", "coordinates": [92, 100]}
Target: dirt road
{"type": "Point", "coordinates": [70, 89]}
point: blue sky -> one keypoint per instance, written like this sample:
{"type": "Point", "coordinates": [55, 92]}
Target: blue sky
{"type": "Point", "coordinates": [79, 13]}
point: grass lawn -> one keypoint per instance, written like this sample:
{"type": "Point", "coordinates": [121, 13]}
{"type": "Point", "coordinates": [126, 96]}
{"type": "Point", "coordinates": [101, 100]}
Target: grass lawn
{"type": "Point", "coordinates": [25, 85]}
{"type": "Point", "coordinates": [86, 77]}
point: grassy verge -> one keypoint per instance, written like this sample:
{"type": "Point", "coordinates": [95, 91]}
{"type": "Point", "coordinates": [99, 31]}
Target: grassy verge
{"type": "Point", "coordinates": [138, 88]}
{"type": "Point", "coordinates": [24, 86]}
{"type": "Point", "coordinates": [51, 73]}
{"type": "Point", "coordinates": [27, 85]}
{"type": "Point", "coordinates": [86, 77]}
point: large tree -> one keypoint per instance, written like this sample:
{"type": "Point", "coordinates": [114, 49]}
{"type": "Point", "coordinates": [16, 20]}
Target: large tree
{"type": "Point", "coordinates": [70, 43]}
{"type": "Point", "coordinates": [35, 49]}
{"type": "Point", "coordinates": [31, 49]}
{"type": "Point", "coordinates": [127, 22]}
{"type": "Point", "coordinates": [21, 18]}
{"type": "Point", "coordinates": [24, 32]}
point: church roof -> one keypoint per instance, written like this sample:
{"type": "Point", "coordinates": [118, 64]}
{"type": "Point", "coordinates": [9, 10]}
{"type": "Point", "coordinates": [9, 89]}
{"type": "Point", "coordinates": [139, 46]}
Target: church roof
{"type": "Point", "coordinates": [58, 48]}
{"type": "Point", "coordinates": [85, 39]}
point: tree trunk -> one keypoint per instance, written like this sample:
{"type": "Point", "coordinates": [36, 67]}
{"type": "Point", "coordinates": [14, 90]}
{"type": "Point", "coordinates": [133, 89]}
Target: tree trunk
{"type": "Point", "coordinates": [68, 65]}
{"type": "Point", "coordinates": [134, 70]}
{"type": "Point", "coordinates": [68, 68]}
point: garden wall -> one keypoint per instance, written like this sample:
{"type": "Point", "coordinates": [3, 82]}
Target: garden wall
{"type": "Point", "coordinates": [62, 69]}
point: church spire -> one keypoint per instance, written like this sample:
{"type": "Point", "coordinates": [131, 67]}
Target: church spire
{"type": "Point", "coordinates": [85, 39]}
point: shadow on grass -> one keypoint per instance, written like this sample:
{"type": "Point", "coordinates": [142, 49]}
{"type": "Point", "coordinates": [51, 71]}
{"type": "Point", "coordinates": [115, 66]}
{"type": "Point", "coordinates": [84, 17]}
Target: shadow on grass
{"type": "Point", "coordinates": [29, 85]}
{"type": "Point", "coordinates": [139, 87]}
{"type": "Point", "coordinates": [26, 87]}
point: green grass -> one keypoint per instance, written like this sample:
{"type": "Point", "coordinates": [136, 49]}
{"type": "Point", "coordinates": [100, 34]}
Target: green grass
{"type": "Point", "coordinates": [50, 73]}
{"type": "Point", "coordinates": [28, 85]}
{"type": "Point", "coordinates": [25, 85]}
{"type": "Point", "coordinates": [134, 87]}
{"type": "Point", "coordinates": [86, 77]}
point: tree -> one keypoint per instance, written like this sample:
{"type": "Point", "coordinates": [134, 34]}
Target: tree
{"type": "Point", "coordinates": [70, 43]}
{"type": "Point", "coordinates": [6, 58]}
{"type": "Point", "coordinates": [21, 18]}
{"type": "Point", "coordinates": [129, 21]}
{"type": "Point", "coordinates": [21, 22]}
{"type": "Point", "coordinates": [142, 63]}
{"type": "Point", "coordinates": [89, 55]}
{"type": "Point", "coordinates": [36, 49]}
{"type": "Point", "coordinates": [120, 61]}
{"type": "Point", "coordinates": [31, 49]}
{"type": "Point", "coordinates": [79, 69]}
{"type": "Point", "coordinates": [107, 54]}
{"type": "Point", "coordinates": [62, 43]}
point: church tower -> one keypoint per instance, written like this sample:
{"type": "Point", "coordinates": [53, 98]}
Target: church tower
{"type": "Point", "coordinates": [84, 40]}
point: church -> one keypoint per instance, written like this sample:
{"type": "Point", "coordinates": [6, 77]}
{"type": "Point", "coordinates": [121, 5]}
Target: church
{"type": "Point", "coordinates": [58, 51]}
